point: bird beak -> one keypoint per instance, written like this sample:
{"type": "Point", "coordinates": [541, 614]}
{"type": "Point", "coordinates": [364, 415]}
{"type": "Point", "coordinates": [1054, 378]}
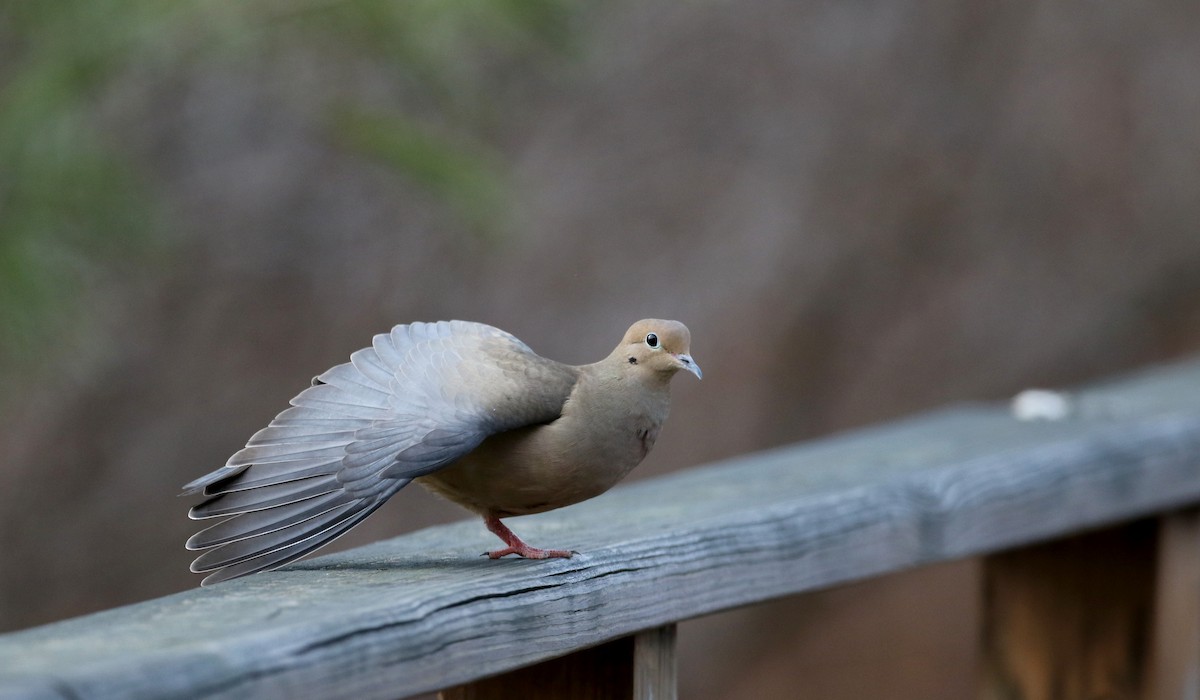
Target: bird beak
{"type": "Point", "coordinates": [686, 362]}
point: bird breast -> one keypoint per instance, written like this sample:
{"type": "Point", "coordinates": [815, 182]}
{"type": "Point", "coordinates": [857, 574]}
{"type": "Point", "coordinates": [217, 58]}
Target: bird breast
{"type": "Point", "coordinates": [531, 470]}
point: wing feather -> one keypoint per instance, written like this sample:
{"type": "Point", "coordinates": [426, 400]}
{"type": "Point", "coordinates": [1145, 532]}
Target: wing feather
{"type": "Point", "coordinates": [234, 502]}
{"type": "Point", "coordinates": [260, 522]}
{"type": "Point", "coordinates": [297, 548]}
{"type": "Point", "coordinates": [419, 398]}
{"type": "Point", "coordinates": [271, 474]}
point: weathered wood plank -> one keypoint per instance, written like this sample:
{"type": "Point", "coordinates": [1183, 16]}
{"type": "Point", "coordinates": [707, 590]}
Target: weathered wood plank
{"type": "Point", "coordinates": [424, 611]}
{"type": "Point", "coordinates": [1175, 651]}
{"type": "Point", "coordinates": [638, 667]}
{"type": "Point", "coordinates": [1070, 619]}
{"type": "Point", "coordinates": [603, 672]}
{"type": "Point", "coordinates": [654, 668]}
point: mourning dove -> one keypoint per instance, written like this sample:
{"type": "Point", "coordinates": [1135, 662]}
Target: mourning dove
{"type": "Point", "coordinates": [465, 409]}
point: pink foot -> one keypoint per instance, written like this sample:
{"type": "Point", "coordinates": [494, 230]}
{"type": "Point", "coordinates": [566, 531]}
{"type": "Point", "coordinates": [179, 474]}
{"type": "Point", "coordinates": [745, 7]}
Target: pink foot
{"type": "Point", "coordinates": [516, 546]}
{"type": "Point", "coordinates": [524, 550]}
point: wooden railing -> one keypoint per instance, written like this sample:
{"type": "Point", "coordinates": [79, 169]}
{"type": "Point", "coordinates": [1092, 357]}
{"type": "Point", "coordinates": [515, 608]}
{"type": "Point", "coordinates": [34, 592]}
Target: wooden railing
{"type": "Point", "coordinates": [1091, 571]}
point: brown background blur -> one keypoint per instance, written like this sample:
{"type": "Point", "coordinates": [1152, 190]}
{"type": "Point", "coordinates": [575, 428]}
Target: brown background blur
{"type": "Point", "coordinates": [861, 209]}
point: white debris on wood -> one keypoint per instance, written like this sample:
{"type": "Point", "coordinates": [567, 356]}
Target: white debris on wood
{"type": "Point", "coordinates": [1041, 404]}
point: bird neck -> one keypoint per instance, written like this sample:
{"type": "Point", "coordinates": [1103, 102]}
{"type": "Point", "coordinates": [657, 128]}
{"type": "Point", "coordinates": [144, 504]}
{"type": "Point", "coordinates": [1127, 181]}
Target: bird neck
{"type": "Point", "coordinates": [623, 389]}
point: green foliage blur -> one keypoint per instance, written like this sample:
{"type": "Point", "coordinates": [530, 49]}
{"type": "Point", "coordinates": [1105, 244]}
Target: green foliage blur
{"type": "Point", "coordinates": [79, 206]}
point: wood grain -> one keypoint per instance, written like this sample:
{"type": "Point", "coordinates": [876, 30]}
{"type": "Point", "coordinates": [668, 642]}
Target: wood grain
{"type": "Point", "coordinates": [638, 667]}
{"type": "Point", "coordinates": [654, 664]}
{"type": "Point", "coordinates": [1175, 651]}
{"type": "Point", "coordinates": [1070, 619]}
{"type": "Point", "coordinates": [422, 612]}
{"type": "Point", "coordinates": [603, 672]}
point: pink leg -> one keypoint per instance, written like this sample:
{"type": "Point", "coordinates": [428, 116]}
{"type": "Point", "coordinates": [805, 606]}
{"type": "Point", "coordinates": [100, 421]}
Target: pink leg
{"type": "Point", "coordinates": [516, 546]}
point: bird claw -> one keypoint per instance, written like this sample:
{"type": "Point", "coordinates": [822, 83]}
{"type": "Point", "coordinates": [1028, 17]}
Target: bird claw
{"type": "Point", "coordinates": [527, 552]}
{"type": "Point", "coordinates": [516, 546]}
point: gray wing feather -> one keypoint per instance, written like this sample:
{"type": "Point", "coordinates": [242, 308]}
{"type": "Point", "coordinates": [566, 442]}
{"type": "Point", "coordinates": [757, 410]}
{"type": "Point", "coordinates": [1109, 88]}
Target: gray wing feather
{"type": "Point", "coordinates": [271, 540]}
{"type": "Point", "coordinates": [299, 547]}
{"type": "Point", "coordinates": [367, 362]}
{"type": "Point", "coordinates": [261, 522]}
{"type": "Point", "coordinates": [421, 397]}
{"type": "Point", "coordinates": [245, 501]}
{"type": "Point", "coordinates": [269, 474]}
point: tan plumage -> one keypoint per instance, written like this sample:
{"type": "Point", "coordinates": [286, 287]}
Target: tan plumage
{"type": "Point", "coordinates": [466, 410]}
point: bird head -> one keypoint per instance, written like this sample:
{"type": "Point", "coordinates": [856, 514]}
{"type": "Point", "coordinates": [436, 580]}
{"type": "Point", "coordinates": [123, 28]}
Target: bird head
{"type": "Point", "coordinates": [659, 346]}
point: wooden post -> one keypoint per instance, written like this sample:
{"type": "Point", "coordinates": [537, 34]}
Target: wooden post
{"type": "Point", "coordinates": [1175, 655]}
{"type": "Point", "coordinates": [1070, 619]}
{"type": "Point", "coordinates": [639, 667]}
{"type": "Point", "coordinates": [654, 664]}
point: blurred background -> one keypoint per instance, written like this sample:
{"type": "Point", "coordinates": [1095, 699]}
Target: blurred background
{"type": "Point", "coordinates": [862, 209]}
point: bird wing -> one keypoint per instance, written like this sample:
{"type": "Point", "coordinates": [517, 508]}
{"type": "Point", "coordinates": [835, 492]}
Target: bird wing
{"type": "Point", "coordinates": [419, 398]}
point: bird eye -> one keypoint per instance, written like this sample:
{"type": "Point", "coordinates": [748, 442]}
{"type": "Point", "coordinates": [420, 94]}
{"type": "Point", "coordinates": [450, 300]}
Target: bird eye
{"type": "Point", "coordinates": [652, 340]}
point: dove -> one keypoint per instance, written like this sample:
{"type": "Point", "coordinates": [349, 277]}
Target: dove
{"type": "Point", "coordinates": [466, 410]}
